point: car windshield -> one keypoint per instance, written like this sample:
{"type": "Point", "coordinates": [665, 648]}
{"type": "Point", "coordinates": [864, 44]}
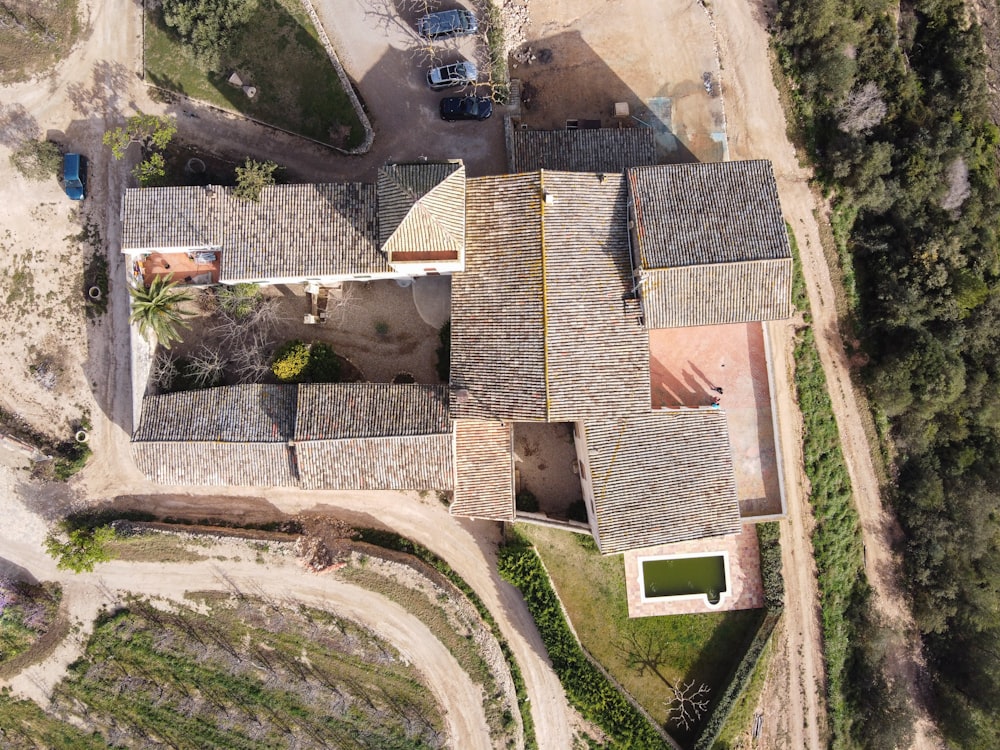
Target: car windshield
{"type": "Point", "coordinates": [470, 106]}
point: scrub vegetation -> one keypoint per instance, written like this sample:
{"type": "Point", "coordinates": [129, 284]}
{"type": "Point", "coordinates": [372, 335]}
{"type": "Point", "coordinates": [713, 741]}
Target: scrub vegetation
{"type": "Point", "coordinates": [892, 106]}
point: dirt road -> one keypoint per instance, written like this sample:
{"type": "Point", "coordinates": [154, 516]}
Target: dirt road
{"type": "Point", "coordinates": [756, 128]}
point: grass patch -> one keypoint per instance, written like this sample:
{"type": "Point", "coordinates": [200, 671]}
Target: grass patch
{"type": "Point", "coordinates": [246, 674]}
{"type": "Point", "coordinates": [35, 35]}
{"type": "Point", "coordinates": [280, 54]}
{"type": "Point", "coordinates": [646, 653]}
{"type": "Point", "coordinates": [153, 547]}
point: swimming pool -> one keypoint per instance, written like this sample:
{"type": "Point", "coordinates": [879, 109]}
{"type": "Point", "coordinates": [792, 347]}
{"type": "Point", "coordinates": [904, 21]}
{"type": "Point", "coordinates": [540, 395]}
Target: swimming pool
{"type": "Point", "coordinates": [686, 576]}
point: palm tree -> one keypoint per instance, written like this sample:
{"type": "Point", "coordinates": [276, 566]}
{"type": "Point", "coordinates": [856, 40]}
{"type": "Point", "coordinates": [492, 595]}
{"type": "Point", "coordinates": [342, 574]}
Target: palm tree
{"type": "Point", "coordinates": [156, 309]}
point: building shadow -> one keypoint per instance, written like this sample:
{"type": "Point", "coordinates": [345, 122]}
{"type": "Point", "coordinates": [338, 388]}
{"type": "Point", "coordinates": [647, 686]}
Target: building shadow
{"type": "Point", "coordinates": [570, 85]}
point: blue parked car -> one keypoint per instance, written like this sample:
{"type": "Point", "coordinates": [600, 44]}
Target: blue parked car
{"type": "Point", "coordinates": [75, 176]}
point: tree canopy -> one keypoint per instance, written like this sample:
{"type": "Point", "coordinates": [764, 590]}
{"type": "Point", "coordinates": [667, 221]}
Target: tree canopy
{"type": "Point", "coordinates": [156, 309]}
{"type": "Point", "coordinates": [206, 26]}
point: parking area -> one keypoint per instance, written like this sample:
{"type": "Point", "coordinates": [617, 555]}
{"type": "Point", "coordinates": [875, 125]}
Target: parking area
{"type": "Point", "coordinates": [378, 46]}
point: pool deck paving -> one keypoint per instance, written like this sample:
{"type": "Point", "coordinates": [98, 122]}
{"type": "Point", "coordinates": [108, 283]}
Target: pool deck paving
{"type": "Point", "coordinates": [744, 576]}
{"type": "Point", "coordinates": [686, 364]}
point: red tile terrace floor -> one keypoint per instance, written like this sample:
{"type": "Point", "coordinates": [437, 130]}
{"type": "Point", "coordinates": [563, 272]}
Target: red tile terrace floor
{"type": "Point", "coordinates": [187, 268]}
{"type": "Point", "coordinates": [686, 363]}
{"type": "Point", "coordinates": [745, 586]}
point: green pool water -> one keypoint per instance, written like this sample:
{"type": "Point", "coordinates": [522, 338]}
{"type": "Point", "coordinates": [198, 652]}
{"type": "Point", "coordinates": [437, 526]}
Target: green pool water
{"type": "Point", "coordinates": [685, 575]}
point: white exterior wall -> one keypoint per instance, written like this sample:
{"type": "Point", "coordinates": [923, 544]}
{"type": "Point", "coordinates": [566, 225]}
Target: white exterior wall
{"type": "Point", "coordinates": [586, 482]}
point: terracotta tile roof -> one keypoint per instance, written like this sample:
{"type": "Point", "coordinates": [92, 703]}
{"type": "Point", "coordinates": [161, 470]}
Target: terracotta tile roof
{"type": "Point", "coordinates": [421, 210]}
{"type": "Point", "coordinates": [216, 463]}
{"type": "Point", "coordinates": [692, 214]}
{"type": "Point", "coordinates": [661, 478]}
{"type": "Point", "coordinates": [294, 231]}
{"type": "Point", "coordinates": [235, 413]}
{"type": "Point", "coordinates": [541, 329]}
{"type": "Point", "coordinates": [371, 410]}
{"type": "Point", "coordinates": [416, 462]}
{"type": "Point", "coordinates": [717, 294]}
{"type": "Point", "coordinates": [600, 150]}
{"type": "Point", "coordinates": [484, 470]}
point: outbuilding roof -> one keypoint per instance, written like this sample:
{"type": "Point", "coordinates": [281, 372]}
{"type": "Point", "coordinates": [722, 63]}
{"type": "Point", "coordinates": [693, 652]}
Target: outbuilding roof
{"type": "Point", "coordinates": [608, 150]}
{"type": "Point", "coordinates": [421, 211]}
{"type": "Point", "coordinates": [702, 214]}
{"type": "Point", "coordinates": [660, 478]}
{"type": "Point", "coordinates": [484, 470]}
{"type": "Point", "coordinates": [544, 326]}
{"type": "Point", "coordinates": [334, 411]}
{"type": "Point", "coordinates": [293, 231]}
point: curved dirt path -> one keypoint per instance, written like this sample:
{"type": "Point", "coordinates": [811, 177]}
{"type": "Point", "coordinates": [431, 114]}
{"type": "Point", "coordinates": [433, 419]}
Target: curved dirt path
{"type": "Point", "coordinates": [757, 129]}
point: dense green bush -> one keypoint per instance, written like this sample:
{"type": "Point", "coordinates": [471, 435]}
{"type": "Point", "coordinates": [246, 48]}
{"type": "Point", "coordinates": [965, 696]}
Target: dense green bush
{"type": "Point", "coordinates": [587, 689]}
{"type": "Point", "coordinates": [526, 501]}
{"type": "Point", "coordinates": [206, 27]}
{"type": "Point", "coordinates": [324, 365]}
{"type": "Point", "coordinates": [239, 300]}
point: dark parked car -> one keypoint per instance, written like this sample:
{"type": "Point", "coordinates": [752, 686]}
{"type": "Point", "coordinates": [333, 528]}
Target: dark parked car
{"type": "Point", "coordinates": [75, 176]}
{"type": "Point", "coordinates": [446, 23]}
{"type": "Point", "coordinates": [466, 108]}
{"type": "Point", "coordinates": [455, 74]}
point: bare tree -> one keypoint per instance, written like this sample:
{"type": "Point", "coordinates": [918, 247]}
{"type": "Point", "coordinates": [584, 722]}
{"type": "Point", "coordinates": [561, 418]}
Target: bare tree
{"type": "Point", "coordinates": [862, 110]}
{"type": "Point", "coordinates": [687, 704]}
{"type": "Point", "coordinates": [958, 185]}
{"type": "Point", "coordinates": [206, 367]}
{"type": "Point", "coordinates": [164, 370]}
{"type": "Point", "coordinates": [251, 360]}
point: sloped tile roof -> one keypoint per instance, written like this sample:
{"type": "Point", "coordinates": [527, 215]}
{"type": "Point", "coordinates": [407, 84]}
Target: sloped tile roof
{"type": "Point", "coordinates": [692, 214]}
{"type": "Point", "coordinates": [599, 150]}
{"type": "Point", "coordinates": [371, 410]}
{"type": "Point", "coordinates": [215, 463]}
{"type": "Point", "coordinates": [416, 462]}
{"type": "Point", "coordinates": [163, 217]}
{"type": "Point", "coordinates": [302, 231]}
{"type": "Point", "coordinates": [718, 294]}
{"type": "Point", "coordinates": [660, 478]}
{"type": "Point", "coordinates": [294, 231]}
{"type": "Point", "coordinates": [421, 209]}
{"type": "Point", "coordinates": [497, 341]}
{"type": "Point", "coordinates": [235, 413]}
{"type": "Point", "coordinates": [541, 327]}
{"type": "Point", "coordinates": [484, 470]}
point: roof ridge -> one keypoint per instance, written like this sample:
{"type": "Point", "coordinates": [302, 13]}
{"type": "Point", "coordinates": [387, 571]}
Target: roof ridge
{"type": "Point", "coordinates": [545, 292]}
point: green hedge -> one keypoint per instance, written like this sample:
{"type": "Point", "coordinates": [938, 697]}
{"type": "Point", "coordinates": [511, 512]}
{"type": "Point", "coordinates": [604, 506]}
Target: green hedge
{"type": "Point", "coordinates": [587, 689]}
{"type": "Point", "coordinates": [770, 565]}
{"type": "Point", "coordinates": [392, 541]}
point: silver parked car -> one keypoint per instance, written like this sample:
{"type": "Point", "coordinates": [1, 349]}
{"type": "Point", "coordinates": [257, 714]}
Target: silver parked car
{"type": "Point", "coordinates": [455, 74]}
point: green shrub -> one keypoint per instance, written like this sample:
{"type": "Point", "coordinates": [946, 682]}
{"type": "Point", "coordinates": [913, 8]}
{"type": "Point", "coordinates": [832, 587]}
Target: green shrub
{"type": "Point", "coordinates": [71, 458]}
{"type": "Point", "coordinates": [324, 365]}
{"type": "Point", "coordinates": [37, 160]}
{"type": "Point", "coordinates": [526, 501]}
{"type": "Point", "coordinates": [381, 328]}
{"type": "Point", "coordinates": [291, 362]}
{"type": "Point", "coordinates": [239, 300]}
{"type": "Point", "coordinates": [83, 548]}
{"type": "Point", "coordinates": [770, 565]}
{"type": "Point", "coordinates": [587, 688]}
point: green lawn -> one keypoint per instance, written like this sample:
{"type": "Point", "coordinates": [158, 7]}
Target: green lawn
{"type": "Point", "coordinates": [677, 648]}
{"type": "Point", "coordinates": [280, 54]}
